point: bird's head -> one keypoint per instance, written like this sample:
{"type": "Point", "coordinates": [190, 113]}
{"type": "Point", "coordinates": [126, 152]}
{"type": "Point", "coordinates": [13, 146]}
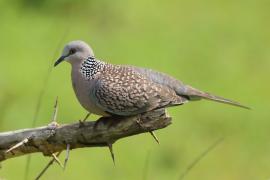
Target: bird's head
{"type": "Point", "coordinates": [75, 52]}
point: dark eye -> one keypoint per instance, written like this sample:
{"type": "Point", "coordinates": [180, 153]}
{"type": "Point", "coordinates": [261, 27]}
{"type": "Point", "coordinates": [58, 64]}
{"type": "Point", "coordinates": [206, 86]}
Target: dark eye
{"type": "Point", "coordinates": [72, 51]}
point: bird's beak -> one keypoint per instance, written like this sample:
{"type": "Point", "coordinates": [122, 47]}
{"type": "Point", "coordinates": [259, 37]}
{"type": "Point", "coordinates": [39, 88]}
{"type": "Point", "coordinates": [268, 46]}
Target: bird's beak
{"type": "Point", "coordinates": [61, 59]}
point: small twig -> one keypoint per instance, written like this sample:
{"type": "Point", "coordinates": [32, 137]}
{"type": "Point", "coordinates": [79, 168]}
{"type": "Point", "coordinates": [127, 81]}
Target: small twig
{"type": "Point", "coordinates": [67, 156]}
{"type": "Point", "coordinates": [202, 155]}
{"type": "Point", "coordinates": [53, 124]}
{"type": "Point", "coordinates": [111, 151]}
{"type": "Point", "coordinates": [55, 111]}
{"type": "Point", "coordinates": [47, 166]}
{"type": "Point", "coordinates": [23, 142]}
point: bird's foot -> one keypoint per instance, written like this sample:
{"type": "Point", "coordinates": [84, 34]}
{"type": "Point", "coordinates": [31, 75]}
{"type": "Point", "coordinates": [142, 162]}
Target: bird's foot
{"type": "Point", "coordinates": [82, 122]}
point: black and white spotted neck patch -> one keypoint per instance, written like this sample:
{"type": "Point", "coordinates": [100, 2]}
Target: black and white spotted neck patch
{"type": "Point", "coordinates": [90, 67]}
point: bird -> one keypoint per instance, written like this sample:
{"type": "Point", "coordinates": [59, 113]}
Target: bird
{"type": "Point", "coordinates": [107, 89]}
{"type": "Point", "coordinates": [123, 90]}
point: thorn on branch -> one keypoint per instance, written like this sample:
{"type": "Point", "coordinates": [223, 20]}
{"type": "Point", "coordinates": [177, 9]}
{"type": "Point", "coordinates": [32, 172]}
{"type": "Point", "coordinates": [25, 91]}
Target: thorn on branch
{"type": "Point", "coordinates": [139, 122]}
{"type": "Point", "coordinates": [154, 136]}
{"type": "Point", "coordinates": [111, 151]}
{"type": "Point", "coordinates": [67, 156]}
{"type": "Point", "coordinates": [57, 160]}
{"type": "Point", "coordinates": [55, 110]}
{"type": "Point", "coordinates": [23, 142]}
{"type": "Point", "coordinates": [54, 123]}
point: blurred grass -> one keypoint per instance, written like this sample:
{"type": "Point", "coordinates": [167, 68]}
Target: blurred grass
{"type": "Point", "coordinates": [218, 46]}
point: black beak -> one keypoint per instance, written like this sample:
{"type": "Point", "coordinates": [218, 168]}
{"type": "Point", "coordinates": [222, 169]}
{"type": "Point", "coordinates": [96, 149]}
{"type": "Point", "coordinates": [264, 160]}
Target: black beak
{"type": "Point", "coordinates": [61, 59]}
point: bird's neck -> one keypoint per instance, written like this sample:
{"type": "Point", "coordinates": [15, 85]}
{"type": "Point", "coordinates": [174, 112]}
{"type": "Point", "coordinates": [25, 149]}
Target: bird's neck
{"type": "Point", "coordinates": [90, 67]}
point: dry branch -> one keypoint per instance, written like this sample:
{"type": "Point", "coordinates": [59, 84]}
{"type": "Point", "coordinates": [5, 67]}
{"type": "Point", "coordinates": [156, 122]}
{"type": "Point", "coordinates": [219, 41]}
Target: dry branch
{"type": "Point", "coordinates": [51, 139]}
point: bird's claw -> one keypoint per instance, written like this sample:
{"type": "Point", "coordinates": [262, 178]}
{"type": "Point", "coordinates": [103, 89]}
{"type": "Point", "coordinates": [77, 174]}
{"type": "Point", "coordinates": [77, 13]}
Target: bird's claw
{"type": "Point", "coordinates": [82, 122]}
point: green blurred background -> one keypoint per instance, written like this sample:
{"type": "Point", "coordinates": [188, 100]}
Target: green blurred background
{"type": "Point", "coordinates": [219, 46]}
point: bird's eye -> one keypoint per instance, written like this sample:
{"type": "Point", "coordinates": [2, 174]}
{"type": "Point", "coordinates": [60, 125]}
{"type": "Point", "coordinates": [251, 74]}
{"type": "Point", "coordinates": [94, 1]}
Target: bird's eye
{"type": "Point", "coordinates": [72, 51]}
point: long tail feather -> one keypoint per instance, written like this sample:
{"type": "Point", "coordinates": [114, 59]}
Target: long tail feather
{"type": "Point", "coordinates": [197, 94]}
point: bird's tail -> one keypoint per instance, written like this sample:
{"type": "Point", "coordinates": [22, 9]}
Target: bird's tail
{"type": "Point", "coordinates": [195, 94]}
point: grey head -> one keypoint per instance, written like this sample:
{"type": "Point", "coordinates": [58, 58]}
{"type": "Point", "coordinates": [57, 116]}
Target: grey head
{"type": "Point", "coordinates": [75, 52]}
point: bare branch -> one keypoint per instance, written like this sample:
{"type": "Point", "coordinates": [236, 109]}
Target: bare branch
{"type": "Point", "coordinates": [48, 140]}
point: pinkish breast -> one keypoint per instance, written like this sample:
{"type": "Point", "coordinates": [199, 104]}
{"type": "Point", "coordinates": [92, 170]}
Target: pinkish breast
{"type": "Point", "coordinates": [82, 88]}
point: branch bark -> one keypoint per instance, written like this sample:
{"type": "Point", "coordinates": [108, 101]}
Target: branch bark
{"type": "Point", "coordinates": [105, 131]}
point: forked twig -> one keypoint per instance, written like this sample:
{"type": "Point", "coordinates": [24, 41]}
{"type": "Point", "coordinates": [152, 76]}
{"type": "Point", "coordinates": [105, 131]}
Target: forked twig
{"type": "Point", "coordinates": [202, 155]}
{"type": "Point", "coordinates": [53, 124]}
{"type": "Point", "coordinates": [57, 160]}
{"type": "Point", "coordinates": [47, 166]}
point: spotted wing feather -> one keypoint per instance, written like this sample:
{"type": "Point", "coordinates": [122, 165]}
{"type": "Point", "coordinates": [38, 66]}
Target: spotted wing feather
{"type": "Point", "coordinates": [121, 91]}
{"type": "Point", "coordinates": [183, 90]}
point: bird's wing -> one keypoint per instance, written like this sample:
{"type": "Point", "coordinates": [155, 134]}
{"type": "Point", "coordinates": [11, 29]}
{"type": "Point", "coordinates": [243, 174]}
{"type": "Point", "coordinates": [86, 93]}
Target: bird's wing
{"type": "Point", "coordinates": [181, 89]}
{"type": "Point", "coordinates": [122, 91]}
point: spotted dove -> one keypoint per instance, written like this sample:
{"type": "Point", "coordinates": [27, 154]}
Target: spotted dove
{"type": "Point", "coordinates": [123, 90]}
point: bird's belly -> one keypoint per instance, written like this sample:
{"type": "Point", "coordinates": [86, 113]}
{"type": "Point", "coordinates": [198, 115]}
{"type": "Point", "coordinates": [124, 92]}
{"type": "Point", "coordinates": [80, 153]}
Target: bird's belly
{"type": "Point", "coordinates": [82, 92]}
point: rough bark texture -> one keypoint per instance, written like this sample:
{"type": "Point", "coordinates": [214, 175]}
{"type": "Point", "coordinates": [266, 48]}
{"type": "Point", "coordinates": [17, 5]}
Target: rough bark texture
{"type": "Point", "coordinates": [48, 140]}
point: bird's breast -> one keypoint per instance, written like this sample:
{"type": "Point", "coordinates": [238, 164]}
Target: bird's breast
{"type": "Point", "coordinates": [82, 88]}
